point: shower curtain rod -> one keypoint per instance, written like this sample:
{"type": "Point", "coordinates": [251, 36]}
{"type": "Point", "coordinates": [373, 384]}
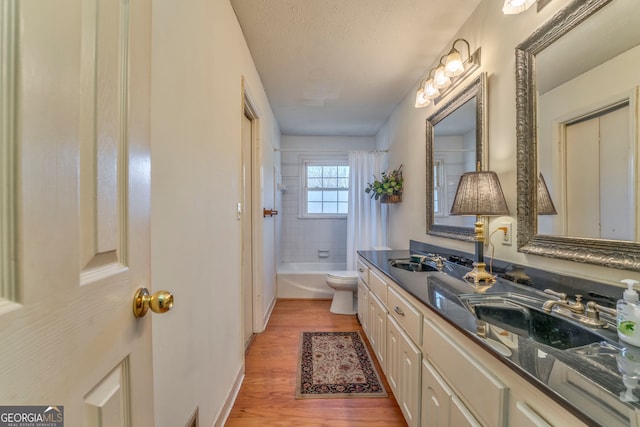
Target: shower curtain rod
{"type": "Point", "coordinates": [325, 151]}
{"type": "Point", "coordinates": [460, 150]}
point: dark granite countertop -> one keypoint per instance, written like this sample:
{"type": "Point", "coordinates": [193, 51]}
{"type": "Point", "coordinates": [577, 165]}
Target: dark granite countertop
{"type": "Point", "coordinates": [596, 401]}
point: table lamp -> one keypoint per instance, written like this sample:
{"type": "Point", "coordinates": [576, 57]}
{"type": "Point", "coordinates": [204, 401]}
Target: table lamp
{"type": "Point", "coordinates": [479, 193]}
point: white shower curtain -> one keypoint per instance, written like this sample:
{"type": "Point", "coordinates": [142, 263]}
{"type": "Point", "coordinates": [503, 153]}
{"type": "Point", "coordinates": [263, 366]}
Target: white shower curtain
{"type": "Point", "coordinates": [367, 219]}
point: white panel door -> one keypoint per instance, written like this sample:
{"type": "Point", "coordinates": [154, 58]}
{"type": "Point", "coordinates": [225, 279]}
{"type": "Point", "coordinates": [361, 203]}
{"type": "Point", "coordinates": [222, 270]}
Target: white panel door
{"type": "Point", "coordinates": [79, 106]}
{"type": "Point", "coordinates": [617, 189]}
{"type": "Point", "coordinates": [600, 165]}
{"type": "Point", "coordinates": [583, 173]}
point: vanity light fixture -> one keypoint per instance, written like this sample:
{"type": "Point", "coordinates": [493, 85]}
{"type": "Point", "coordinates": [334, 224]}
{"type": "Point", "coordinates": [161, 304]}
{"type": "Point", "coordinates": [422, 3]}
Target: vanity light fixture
{"type": "Point", "coordinates": [453, 64]}
{"type": "Point", "coordinates": [440, 79]}
{"type": "Point", "coordinates": [480, 194]}
{"type": "Point", "coordinates": [450, 71]}
{"type": "Point", "coordinates": [544, 203]}
{"type": "Point", "coordinates": [426, 92]}
{"type": "Point", "coordinates": [512, 7]}
{"type": "Point", "coordinates": [430, 89]}
{"type": "Point", "coordinates": [422, 100]}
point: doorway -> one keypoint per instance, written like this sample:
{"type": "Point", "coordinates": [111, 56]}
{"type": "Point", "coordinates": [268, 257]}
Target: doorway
{"type": "Point", "coordinates": [246, 214]}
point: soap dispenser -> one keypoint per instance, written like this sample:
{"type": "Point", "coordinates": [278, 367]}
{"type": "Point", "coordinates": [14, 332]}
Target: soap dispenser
{"type": "Point", "coordinates": [629, 314]}
{"type": "Point", "coordinates": [628, 361]}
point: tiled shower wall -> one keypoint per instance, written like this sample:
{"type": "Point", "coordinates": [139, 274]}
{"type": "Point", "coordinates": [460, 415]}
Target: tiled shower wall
{"type": "Point", "coordinates": [303, 238]}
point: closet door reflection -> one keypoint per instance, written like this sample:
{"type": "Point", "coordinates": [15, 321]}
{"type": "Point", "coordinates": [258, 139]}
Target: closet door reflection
{"type": "Point", "coordinates": [593, 184]}
{"type": "Point", "coordinates": [599, 172]}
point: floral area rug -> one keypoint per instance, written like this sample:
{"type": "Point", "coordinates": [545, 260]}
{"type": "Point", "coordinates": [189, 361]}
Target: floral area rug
{"type": "Point", "coordinates": [336, 365]}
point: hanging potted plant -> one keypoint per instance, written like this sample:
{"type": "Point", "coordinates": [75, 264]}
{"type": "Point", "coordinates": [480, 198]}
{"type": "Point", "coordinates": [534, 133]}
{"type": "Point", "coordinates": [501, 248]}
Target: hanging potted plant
{"type": "Point", "coordinates": [387, 188]}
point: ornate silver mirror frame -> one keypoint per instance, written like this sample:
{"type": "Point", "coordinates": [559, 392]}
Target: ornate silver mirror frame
{"type": "Point", "coordinates": [478, 90]}
{"type": "Point", "coordinates": [611, 253]}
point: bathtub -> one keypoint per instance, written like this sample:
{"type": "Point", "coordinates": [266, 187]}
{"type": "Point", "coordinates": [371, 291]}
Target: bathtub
{"type": "Point", "coordinates": [305, 279]}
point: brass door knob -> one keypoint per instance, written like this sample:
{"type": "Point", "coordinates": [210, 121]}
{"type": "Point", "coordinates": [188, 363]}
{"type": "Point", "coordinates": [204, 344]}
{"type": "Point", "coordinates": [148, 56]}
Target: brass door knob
{"type": "Point", "coordinates": [269, 212]}
{"type": "Point", "coordinates": [159, 302]}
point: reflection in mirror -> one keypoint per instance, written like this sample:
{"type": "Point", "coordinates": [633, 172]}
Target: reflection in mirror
{"type": "Point", "coordinates": [577, 126]}
{"type": "Point", "coordinates": [454, 153]}
{"type": "Point", "coordinates": [455, 141]}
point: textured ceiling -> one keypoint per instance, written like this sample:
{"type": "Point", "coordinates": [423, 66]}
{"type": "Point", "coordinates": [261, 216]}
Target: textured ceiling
{"type": "Point", "coordinates": [340, 67]}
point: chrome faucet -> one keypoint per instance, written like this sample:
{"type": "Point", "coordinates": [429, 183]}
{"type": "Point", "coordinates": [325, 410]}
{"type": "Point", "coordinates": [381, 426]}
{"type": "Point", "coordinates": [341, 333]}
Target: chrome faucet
{"type": "Point", "coordinates": [575, 307]}
{"type": "Point", "coordinates": [588, 314]}
{"type": "Point", "coordinates": [593, 311]}
{"type": "Point", "coordinates": [437, 259]}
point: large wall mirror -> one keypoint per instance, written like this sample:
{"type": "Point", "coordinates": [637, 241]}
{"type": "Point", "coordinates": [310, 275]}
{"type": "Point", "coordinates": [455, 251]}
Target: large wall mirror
{"type": "Point", "coordinates": [456, 135]}
{"type": "Point", "coordinates": [577, 133]}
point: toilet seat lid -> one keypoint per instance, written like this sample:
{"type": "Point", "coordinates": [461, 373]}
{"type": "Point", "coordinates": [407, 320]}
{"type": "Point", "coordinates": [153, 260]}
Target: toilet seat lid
{"type": "Point", "coordinates": [343, 275]}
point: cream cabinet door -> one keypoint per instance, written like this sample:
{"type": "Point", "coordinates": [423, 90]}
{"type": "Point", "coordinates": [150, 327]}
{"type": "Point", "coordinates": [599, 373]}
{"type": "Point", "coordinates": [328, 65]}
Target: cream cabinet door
{"type": "Point", "coordinates": [378, 329]}
{"type": "Point", "coordinates": [75, 212]}
{"type": "Point", "coordinates": [393, 358]}
{"type": "Point", "coordinates": [363, 306]}
{"type": "Point", "coordinates": [403, 371]}
{"type": "Point", "coordinates": [436, 398]}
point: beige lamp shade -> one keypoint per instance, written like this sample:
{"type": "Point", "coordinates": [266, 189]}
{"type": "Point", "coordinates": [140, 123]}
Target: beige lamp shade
{"type": "Point", "coordinates": [544, 202]}
{"type": "Point", "coordinates": [479, 193]}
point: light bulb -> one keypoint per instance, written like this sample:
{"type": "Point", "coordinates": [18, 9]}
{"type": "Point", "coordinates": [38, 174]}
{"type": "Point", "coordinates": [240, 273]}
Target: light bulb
{"type": "Point", "coordinates": [453, 65]}
{"type": "Point", "coordinates": [512, 7]}
{"type": "Point", "coordinates": [430, 90]}
{"type": "Point", "coordinates": [440, 79]}
{"type": "Point", "coordinates": [421, 99]}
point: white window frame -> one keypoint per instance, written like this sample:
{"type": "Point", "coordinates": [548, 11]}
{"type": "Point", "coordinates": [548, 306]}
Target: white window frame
{"type": "Point", "coordinates": [333, 160]}
{"type": "Point", "coordinates": [439, 187]}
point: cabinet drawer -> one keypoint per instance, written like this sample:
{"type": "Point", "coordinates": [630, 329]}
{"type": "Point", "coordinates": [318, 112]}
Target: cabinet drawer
{"type": "Point", "coordinates": [378, 286]}
{"type": "Point", "coordinates": [409, 318]}
{"type": "Point", "coordinates": [363, 271]}
{"type": "Point", "coordinates": [460, 415]}
{"type": "Point", "coordinates": [525, 416]}
{"type": "Point", "coordinates": [480, 390]}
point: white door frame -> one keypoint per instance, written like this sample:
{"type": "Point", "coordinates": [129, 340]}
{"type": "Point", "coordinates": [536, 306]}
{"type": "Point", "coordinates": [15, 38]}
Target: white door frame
{"type": "Point", "coordinates": [248, 109]}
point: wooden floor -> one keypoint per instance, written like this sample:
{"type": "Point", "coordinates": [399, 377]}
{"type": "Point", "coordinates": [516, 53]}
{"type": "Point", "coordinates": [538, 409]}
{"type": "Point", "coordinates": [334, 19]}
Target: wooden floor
{"type": "Point", "coordinates": [267, 396]}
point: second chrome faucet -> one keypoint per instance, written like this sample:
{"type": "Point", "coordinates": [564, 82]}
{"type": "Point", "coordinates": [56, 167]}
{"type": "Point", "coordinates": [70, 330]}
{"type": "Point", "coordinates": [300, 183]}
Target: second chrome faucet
{"type": "Point", "coordinates": [588, 314]}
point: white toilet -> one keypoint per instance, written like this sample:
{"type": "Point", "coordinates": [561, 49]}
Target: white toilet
{"type": "Point", "coordinates": [344, 284]}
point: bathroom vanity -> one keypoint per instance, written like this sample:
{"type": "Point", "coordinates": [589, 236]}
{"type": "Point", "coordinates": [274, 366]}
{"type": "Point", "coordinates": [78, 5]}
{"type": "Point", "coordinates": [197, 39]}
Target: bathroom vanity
{"type": "Point", "coordinates": [452, 363]}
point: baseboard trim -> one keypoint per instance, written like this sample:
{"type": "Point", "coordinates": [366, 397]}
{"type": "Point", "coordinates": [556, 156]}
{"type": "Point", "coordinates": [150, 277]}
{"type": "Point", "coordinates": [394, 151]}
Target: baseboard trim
{"type": "Point", "coordinates": [228, 404]}
{"type": "Point", "coordinates": [267, 315]}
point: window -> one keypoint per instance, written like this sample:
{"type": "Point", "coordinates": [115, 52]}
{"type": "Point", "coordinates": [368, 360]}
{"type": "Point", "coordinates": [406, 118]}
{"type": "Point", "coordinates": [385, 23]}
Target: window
{"type": "Point", "coordinates": [438, 188]}
{"type": "Point", "coordinates": [325, 188]}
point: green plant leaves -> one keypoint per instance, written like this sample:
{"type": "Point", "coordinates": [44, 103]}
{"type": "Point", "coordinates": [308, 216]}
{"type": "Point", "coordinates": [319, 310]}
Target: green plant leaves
{"type": "Point", "coordinates": [388, 184]}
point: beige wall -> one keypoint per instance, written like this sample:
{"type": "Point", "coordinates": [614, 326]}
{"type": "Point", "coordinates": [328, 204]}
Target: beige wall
{"type": "Point", "coordinates": [199, 57]}
{"type": "Point", "coordinates": [404, 134]}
